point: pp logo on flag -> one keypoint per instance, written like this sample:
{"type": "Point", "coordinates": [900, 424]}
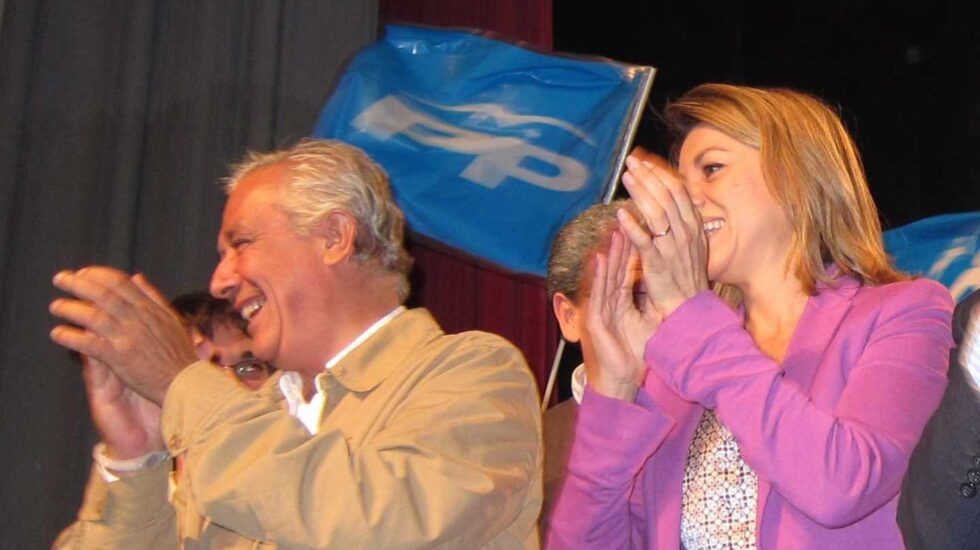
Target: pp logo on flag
{"type": "Point", "coordinates": [497, 157]}
{"type": "Point", "coordinates": [961, 259]}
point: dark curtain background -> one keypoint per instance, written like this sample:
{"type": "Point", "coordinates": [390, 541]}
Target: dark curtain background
{"type": "Point", "coordinates": [903, 74]}
{"type": "Point", "coordinates": [117, 120]}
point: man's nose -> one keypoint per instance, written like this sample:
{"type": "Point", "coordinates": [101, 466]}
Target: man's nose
{"type": "Point", "coordinates": [225, 279]}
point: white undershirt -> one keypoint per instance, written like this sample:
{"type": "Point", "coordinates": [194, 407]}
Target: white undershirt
{"type": "Point", "coordinates": [970, 350]}
{"type": "Point", "coordinates": [291, 383]}
{"type": "Point", "coordinates": [578, 383]}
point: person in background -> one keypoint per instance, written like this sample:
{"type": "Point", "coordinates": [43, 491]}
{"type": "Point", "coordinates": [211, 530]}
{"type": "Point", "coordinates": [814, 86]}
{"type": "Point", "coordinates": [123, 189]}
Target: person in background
{"type": "Point", "coordinates": [779, 410]}
{"type": "Point", "coordinates": [569, 280]}
{"type": "Point", "coordinates": [219, 335]}
{"type": "Point", "coordinates": [939, 508]}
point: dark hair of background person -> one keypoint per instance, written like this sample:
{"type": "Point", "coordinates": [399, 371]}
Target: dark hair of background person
{"type": "Point", "coordinates": [202, 311]}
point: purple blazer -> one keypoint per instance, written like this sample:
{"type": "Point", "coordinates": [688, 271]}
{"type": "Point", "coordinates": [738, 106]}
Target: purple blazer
{"type": "Point", "coordinates": [828, 432]}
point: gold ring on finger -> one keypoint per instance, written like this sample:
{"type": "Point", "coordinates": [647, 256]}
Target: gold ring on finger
{"type": "Point", "coordinates": [663, 233]}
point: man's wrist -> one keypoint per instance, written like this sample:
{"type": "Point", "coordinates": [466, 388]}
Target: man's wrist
{"type": "Point", "coordinates": [110, 468]}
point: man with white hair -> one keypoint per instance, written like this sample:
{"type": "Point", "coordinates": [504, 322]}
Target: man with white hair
{"type": "Point", "coordinates": [381, 431]}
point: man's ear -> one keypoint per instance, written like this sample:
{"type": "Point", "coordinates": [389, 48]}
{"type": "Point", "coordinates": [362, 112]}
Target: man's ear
{"type": "Point", "coordinates": [569, 317]}
{"type": "Point", "coordinates": [338, 230]}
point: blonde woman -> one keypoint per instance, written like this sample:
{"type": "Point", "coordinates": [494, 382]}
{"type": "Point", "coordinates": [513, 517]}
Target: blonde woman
{"type": "Point", "coordinates": [778, 411]}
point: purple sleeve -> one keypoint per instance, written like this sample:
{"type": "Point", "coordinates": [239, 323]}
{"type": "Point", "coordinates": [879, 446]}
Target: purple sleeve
{"type": "Point", "coordinates": [835, 463]}
{"type": "Point", "coordinates": [613, 439]}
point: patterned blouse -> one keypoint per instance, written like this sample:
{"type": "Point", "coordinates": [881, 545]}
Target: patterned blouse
{"type": "Point", "coordinates": [720, 491]}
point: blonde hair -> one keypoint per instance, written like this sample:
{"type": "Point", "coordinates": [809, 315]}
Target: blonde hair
{"type": "Point", "coordinates": [326, 175]}
{"type": "Point", "coordinates": [811, 167]}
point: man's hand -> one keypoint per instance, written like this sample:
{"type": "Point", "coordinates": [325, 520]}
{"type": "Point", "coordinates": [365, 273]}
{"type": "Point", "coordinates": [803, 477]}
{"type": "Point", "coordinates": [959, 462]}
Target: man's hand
{"type": "Point", "coordinates": [619, 327]}
{"type": "Point", "coordinates": [125, 323]}
{"type": "Point", "coordinates": [128, 423]}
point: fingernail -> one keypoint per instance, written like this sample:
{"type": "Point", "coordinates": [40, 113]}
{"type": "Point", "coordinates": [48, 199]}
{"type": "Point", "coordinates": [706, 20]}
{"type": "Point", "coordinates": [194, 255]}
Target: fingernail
{"type": "Point", "coordinates": [628, 179]}
{"type": "Point", "coordinates": [60, 276]}
{"type": "Point", "coordinates": [632, 162]}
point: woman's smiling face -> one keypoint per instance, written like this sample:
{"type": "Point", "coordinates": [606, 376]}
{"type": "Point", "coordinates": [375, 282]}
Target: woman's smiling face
{"type": "Point", "coordinates": [747, 228]}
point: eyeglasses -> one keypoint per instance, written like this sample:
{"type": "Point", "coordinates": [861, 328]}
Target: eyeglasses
{"type": "Point", "coordinates": [251, 369]}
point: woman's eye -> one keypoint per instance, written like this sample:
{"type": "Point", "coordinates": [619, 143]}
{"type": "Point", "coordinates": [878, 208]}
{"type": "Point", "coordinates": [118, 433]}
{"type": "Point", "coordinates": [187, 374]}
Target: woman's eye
{"type": "Point", "coordinates": [711, 168]}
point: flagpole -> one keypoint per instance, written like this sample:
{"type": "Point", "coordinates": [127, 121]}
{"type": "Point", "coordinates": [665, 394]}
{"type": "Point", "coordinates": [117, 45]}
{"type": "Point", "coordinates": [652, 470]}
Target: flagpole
{"type": "Point", "coordinates": [635, 116]}
{"type": "Point", "coordinates": [554, 373]}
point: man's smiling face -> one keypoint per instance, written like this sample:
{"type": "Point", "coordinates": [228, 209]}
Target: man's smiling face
{"type": "Point", "coordinates": [268, 270]}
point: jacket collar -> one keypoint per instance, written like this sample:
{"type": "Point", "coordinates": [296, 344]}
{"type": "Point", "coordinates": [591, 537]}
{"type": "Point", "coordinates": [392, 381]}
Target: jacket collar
{"type": "Point", "coordinates": [821, 318]}
{"type": "Point", "coordinates": [380, 355]}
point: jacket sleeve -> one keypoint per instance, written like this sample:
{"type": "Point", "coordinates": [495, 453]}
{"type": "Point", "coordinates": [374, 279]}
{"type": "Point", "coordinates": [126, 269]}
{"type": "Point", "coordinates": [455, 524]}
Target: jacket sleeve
{"type": "Point", "coordinates": [132, 512]}
{"type": "Point", "coordinates": [613, 440]}
{"type": "Point", "coordinates": [836, 464]}
{"type": "Point", "coordinates": [453, 467]}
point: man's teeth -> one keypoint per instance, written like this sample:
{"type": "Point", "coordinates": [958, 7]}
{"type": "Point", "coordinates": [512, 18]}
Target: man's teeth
{"type": "Point", "coordinates": [712, 226]}
{"type": "Point", "coordinates": [251, 308]}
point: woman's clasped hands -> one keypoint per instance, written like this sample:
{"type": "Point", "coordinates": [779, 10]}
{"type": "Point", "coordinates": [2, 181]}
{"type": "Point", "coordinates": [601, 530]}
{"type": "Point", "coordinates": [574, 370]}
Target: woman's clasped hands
{"type": "Point", "coordinates": [655, 261]}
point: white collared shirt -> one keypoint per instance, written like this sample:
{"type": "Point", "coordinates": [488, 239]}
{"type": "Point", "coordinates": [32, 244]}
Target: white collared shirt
{"type": "Point", "coordinates": [291, 383]}
{"type": "Point", "coordinates": [970, 350]}
{"type": "Point", "coordinates": [578, 383]}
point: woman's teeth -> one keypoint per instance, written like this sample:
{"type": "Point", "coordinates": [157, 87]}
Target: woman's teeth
{"type": "Point", "coordinates": [712, 226]}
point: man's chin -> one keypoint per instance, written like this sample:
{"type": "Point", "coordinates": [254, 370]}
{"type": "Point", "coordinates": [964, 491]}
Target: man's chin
{"type": "Point", "coordinates": [263, 352]}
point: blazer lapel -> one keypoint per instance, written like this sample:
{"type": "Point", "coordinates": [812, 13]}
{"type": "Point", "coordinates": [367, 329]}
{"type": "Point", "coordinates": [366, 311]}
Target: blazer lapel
{"type": "Point", "coordinates": [817, 326]}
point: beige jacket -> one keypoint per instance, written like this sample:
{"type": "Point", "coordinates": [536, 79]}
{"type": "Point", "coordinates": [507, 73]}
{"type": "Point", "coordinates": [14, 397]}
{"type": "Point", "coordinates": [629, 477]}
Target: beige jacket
{"type": "Point", "coordinates": [426, 440]}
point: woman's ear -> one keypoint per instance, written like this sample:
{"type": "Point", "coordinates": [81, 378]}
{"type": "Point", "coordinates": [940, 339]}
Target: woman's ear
{"type": "Point", "coordinates": [569, 317]}
{"type": "Point", "coordinates": [338, 230]}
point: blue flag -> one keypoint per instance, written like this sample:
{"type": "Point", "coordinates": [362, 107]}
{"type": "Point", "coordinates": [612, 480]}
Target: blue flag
{"type": "Point", "coordinates": [490, 147]}
{"type": "Point", "coordinates": [945, 248]}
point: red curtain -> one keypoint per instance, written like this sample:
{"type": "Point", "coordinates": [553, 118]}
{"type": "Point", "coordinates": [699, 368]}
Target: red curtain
{"type": "Point", "coordinates": [525, 20]}
{"type": "Point", "coordinates": [462, 293]}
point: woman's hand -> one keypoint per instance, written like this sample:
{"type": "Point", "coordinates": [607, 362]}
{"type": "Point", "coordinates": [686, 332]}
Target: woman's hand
{"type": "Point", "coordinates": [674, 252]}
{"type": "Point", "coordinates": [618, 328]}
